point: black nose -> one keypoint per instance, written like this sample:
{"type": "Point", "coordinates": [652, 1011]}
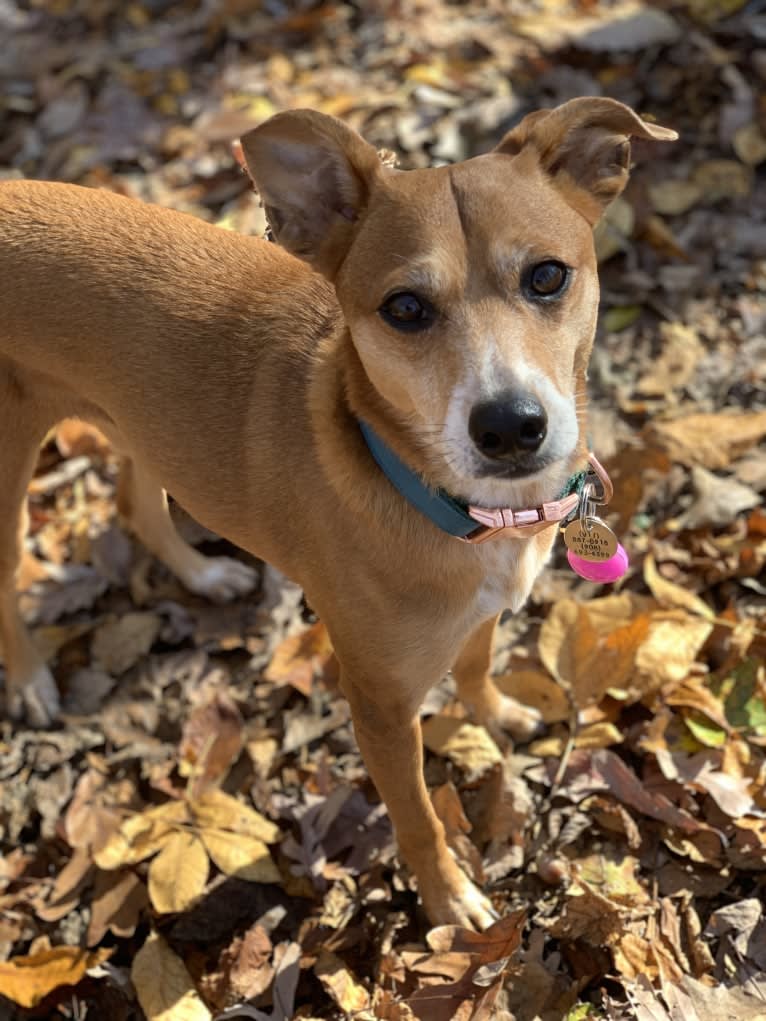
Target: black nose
{"type": "Point", "coordinates": [512, 423]}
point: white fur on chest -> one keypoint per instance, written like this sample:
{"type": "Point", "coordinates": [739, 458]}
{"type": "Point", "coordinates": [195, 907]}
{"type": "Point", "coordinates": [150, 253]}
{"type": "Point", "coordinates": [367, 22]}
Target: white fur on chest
{"type": "Point", "coordinates": [510, 569]}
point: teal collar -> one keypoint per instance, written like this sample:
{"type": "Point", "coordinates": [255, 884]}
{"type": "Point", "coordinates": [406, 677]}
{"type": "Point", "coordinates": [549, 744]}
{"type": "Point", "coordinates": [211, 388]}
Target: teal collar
{"type": "Point", "coordinates": [474, 524]}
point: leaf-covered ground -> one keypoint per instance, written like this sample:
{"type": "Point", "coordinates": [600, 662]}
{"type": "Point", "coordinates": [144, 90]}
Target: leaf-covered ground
{"type": "Point", "coordinates": [200, 832]}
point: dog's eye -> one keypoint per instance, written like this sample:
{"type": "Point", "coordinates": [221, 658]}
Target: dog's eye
{"type": "Point", "coordinates": [406, 311]}
{"type": "Point", "coordinates": [547, 279]}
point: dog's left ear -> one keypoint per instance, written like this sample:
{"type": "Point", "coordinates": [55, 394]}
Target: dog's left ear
{"type": "Point", "coordinates": [584, 145]}
{"type": "Point", "coordinates": [314, 174]}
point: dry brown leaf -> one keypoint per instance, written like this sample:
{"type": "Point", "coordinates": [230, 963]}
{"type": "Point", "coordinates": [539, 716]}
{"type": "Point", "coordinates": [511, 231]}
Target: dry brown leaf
{"type": "Point", "coordinates": [675, 638]}
{"type": "Point", "coordinates": [590, 660]}
{"type": "Point", "coordinates": [300, 657]}
{"type": "Point", "coordinates": [29, 979]}
{"type": "Point", "coordinates": [535, 689]}
{"type": "Point", "coordinates": [588, 915]}
{"type": "Point", "coordinates": [484, 957]}
{"type": "Point", "coordinates": [120, 643]}
{"type": "Point", "coordinates": [679, 358]}
{"type": "Point", "coordinates": [674, 196]}
{"type": "Point", "coordinates": [211, 741]}
{"type": "Point", "coordinates": [141, 835]}
{"type": "Point", "coordinates": [117, 903]}
{"type": "Point", "coordinates": [97, 809]}
{"type": "Point", "coordinates": [723, 179]}
{"type": "Point", "coordinates": [178, 874]}
{"type": "Point", "coordinates": [469, 747]}
{"type": "Point", "coordinates": [667, 593]}
{"type": "Point", "coordinates": [717, 500]}
{"type": "Point", "coordinates": [251, 972]}
{"type": "Point", "coordinates": [349, 994]}
{"type": "Point", "coordinates": [710, 440]}
{"type": "Point", "coordinates": [164, 987]}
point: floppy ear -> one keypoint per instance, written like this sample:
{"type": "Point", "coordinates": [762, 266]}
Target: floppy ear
{"type": "Point", "coordinates": [584, 145]}
{"type": "Point", "coordinates": [314, 175]}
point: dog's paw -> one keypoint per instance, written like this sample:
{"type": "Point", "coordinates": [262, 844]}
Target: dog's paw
{"type": "Point", "coordinates": [36, 699]}
{"type": "Point", "coordinates": [514, 719]}
{"type": "Point", "coordinates": [456, 901]}
{"type": "Point", "coordinates": [222, 579]}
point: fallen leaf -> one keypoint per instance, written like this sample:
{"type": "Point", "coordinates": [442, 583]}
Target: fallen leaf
{"type": "Point", "coordinates": [29, 979]}
{"type": "Point", "coordinates": [299, 658]}
{"type": "Point", "coordinates": [211, 741]}
{"type": "Point", "coordinates": [344, 989]}
{"type": "Point", "coordinates": [118, 900]}
{"type": "Point", "coordinates": [710, 440]}
{"type": "Point", "coordinates": [667, 593]}
{"type": "Point", "coordinates": [121, 642]}
{"type": "Point", "coordinates": [717, 500]}
{"type": "Point", "coordinates": [141, 835]}
{"type": "Point", "coordinates": [679, 358]}
{"type": "Point", "coordinates": [178, 874]}
{"type": "Point", "coordinates": [164, 987]}
{"type": "Point", "coordinates": [240, 855]}
{"type": "Point", "coordinates": [469, 747]}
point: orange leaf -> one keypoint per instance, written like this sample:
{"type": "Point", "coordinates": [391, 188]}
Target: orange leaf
{"type": "Point", "coordinates": [28, 980]}
{"type": "Point", "coordinates": [299, 657]}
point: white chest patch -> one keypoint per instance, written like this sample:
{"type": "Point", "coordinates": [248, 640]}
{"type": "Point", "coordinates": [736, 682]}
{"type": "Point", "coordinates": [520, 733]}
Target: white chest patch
{"type": "Point", "coordinates": [510, 569]}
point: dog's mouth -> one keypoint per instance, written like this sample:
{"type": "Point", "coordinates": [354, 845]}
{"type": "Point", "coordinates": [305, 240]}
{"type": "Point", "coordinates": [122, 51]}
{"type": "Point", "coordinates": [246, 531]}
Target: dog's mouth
{"type": "Point", "coordinates": [517, 470]}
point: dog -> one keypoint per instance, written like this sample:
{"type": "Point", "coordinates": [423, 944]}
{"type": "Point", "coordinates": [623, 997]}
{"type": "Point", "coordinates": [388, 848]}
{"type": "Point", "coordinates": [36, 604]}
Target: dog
{"type": "Point", "coordinates": [361, 405]}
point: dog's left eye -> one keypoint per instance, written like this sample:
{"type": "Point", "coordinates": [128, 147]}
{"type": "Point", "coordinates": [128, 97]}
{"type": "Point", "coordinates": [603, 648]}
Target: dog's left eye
{"type": "Point", "coordinates": [406, 311]}
{"type": "Point", "coordinates": [547, 279]}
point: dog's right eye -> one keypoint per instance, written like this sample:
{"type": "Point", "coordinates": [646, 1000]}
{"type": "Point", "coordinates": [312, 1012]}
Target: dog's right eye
{"type": "Point", "coordinates": [406, 311]}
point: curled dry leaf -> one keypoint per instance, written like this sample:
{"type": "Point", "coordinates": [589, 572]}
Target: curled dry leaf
{"type": "Point", "coordinates": [141, 835]}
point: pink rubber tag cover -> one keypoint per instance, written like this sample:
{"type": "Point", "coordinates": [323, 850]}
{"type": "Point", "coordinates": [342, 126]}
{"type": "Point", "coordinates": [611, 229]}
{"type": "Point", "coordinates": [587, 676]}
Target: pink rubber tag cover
{"type": "Point", "coordinates": [604, 571]}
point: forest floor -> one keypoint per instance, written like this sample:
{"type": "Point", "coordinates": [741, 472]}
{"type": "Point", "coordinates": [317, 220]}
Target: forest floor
{"type": "Point", "coordinates": [198, 838]}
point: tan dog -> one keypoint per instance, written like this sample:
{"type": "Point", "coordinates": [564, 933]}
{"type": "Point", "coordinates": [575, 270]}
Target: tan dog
{"type": "Point", "coordinates": [451, 310]}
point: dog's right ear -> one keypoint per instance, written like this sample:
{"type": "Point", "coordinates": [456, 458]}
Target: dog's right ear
{"type": "Point", "coordinates": [314, 174]}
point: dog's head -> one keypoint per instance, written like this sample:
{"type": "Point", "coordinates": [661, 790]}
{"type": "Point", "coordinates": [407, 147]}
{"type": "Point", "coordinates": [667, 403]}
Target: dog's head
{"type": "Point", "coordinates": [470, 291]}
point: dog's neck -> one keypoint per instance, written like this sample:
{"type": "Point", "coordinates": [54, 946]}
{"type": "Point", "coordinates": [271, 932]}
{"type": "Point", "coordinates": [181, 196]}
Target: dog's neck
{"type": "Point", "coordinates": [472, 524]}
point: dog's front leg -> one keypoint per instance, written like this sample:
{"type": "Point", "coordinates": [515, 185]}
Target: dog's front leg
{"type": "Point", "coordinates": [388, 732]}
{"type": "Point", "coordinates": [497, 712]}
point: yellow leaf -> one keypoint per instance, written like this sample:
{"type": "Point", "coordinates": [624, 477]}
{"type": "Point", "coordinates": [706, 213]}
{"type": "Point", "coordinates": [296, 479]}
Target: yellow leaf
{"type": "Point", "coordinates": [599, 735]}
{"type": "Point", "coordinates": [674, 640]}
{"type": "Point", "coordinates": [178, 874]}
{"type": "Point", "coordinates": [567, 642]}
{"type": "Point", "coordinates": [214, 810]}
{"type": "Point", "coordinates": [141, 835]}
{"type": "Point", "coordinates": [240, 855]}
{"type": "Point", "coordinates": [28, 980]}
{"type": "Point", "coordinates": [164, 986]}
